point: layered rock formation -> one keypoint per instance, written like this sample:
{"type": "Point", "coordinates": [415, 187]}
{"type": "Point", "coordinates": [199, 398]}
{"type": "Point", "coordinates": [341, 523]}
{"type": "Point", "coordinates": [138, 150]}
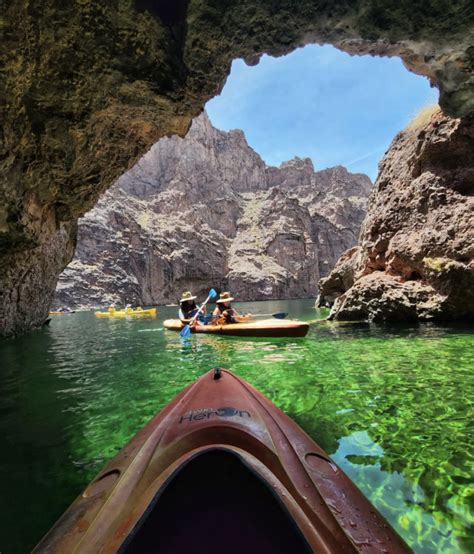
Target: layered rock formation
{"type": "Point", "coordinates": [206, 211]}
{"type": "Point", "coordinates": [415, 260]}
{"type": "Point", "coordinates": [89, 86]}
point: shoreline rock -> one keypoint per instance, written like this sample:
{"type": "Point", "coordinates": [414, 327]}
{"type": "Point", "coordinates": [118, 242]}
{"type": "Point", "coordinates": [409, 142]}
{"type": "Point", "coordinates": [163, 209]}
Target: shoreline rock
{"type": "Point", "coordinates": [415, 258]}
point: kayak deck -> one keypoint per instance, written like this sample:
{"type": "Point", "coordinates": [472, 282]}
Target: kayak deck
{"type": "Point", "coordinates": [221, 467]}
{"type": "Point", "coordinates": [263, 328]}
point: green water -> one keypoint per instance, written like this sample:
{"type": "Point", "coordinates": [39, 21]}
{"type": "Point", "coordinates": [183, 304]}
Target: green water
{"type": "Point", "coordinates": [392, 405]}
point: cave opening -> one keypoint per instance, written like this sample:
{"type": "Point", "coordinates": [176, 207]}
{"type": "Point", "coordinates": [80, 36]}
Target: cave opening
{"type": "Point", "coordinates": [291, 144]}
{"type": "Point", "coordinates": [321, 103]}
{"type": "Point", "coordinates": [88, 89]}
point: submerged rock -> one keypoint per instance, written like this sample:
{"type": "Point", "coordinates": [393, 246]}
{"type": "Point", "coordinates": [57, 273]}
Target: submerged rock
{"type": "Point", "coordinates": [206, 211]}
{"type": "Point", "coordinates": [415, 258]}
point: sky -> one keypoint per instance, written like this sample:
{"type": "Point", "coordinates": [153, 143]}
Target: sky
{"type": "Point", "coordinates": [321, 103]}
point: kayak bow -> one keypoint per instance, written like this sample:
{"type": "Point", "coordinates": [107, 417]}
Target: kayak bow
{"type": "Point", "coordinates": [221, 469]}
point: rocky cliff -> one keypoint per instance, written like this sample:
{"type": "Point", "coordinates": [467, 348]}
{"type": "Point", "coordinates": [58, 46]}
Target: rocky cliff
{"type": "Point", "coordinates": [206, 211]}
{"type": "Point", "coordinates": [87, 87]}
{"type": "Point", "coordinates": [415, 259]}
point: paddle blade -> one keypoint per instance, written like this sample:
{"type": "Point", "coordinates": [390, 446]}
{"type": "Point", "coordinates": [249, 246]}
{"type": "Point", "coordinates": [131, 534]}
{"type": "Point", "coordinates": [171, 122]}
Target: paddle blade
{"type": "Point", "coordinates": [280, 315]}
{"type": "Point", "coordinates": [212, 294]}
{"type": "Point", "coordinates": [185, 332]}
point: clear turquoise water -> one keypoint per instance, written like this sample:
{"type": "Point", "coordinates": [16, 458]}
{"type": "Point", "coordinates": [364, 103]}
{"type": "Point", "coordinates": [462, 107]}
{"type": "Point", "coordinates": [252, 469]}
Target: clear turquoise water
{"type": "Point", "coordinates": [393, 405]}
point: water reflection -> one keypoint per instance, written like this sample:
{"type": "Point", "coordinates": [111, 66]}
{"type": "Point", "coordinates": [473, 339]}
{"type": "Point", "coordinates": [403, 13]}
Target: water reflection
{"type": "Point", "coordinates": [391, 493]}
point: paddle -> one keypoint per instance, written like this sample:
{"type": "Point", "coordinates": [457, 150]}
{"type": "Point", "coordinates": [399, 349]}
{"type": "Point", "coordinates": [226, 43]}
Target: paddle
{"type": "Point", "coordinates": [186, 331]}
{"type": "Point", "coordinates": [277, 315]}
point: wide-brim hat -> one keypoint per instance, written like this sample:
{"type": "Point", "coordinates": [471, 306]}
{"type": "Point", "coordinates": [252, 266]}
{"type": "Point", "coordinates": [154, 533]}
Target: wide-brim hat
{"type": "Point", "coordinates": [224, 297]}
{"type": "Point", "coordinates": [187, 296]}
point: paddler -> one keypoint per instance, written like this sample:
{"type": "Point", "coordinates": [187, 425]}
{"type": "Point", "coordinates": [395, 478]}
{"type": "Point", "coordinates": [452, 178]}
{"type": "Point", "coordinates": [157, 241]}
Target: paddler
{"type": "Point", "coordinates": [224, 312]}
{"type": "Point", "coordinates": [187, 306]}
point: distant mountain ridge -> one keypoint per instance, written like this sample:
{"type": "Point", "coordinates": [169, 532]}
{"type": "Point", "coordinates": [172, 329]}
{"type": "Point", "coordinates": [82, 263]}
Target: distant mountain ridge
{"type": "Point", "coordinates": [207, 211]}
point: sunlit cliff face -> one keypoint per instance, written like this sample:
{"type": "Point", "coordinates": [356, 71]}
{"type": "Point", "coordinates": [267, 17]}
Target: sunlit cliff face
{"type": "Point", "coordinates": [89, 87]}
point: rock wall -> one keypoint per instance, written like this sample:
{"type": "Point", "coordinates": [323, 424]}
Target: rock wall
{"type": "Point", "coordinates": [87, 87]}
{"type": "Point", "coordinates": [415, 259]}
{"type": "Point", "coordinates": [206, 211]}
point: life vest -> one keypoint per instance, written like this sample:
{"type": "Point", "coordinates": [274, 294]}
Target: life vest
{"type": "Point", "coordinates": [229, 317]}
{"type": "Point", "coordinates": [188, 310]}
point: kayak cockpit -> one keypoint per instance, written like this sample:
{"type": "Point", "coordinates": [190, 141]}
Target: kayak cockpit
{"type": "Point", "coordinates": [215, 503]}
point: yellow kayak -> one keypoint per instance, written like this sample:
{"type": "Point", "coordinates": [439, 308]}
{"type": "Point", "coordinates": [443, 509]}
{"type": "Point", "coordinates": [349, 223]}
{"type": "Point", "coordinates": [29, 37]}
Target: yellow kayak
{"type": "Point", "coordinates": [61, 313]}
{"type": "Point", "coordinates": [129, 312]}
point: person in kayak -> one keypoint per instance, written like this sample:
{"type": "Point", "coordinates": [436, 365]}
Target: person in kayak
{"type": "Point", "coordinates": [224, 312]}
{"type": "Point", "coordinates": [187, 306]}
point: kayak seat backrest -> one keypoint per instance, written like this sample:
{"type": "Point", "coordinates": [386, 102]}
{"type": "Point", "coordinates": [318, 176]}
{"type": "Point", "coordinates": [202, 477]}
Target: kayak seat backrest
{"type": "Point", "coordinates": [216, 504]}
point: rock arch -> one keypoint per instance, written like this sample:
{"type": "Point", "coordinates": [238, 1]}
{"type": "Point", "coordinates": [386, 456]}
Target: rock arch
{"type": "Point", "coordinates": [89, 86]}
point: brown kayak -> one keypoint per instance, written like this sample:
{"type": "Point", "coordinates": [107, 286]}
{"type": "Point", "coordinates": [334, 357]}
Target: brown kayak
{"type": "Point", "coordinates": [221, 469]}
{"type": "Point", "coordinates": [263, 328]}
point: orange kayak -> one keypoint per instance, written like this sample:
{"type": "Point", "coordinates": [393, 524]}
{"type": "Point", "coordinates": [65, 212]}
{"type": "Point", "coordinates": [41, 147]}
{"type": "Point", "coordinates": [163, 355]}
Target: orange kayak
{"type": "Point", "coordinates": [262, 328]}
{"type": "Point", "coordinates": [221, 469]}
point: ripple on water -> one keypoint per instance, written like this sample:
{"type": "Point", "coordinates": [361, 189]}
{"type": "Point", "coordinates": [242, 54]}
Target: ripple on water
{"type": "Point", "coordinates": [393, 405]}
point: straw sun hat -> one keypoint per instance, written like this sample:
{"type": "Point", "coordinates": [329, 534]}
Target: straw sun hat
{"type": "Point", "coordinates": [224, 297]}
{"type": "Point", "coordinates": [187, 296]}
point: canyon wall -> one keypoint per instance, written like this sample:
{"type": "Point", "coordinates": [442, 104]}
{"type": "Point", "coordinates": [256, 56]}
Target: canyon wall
{"type": "Point", "coordinates": [87, 87]}
{"type": "Point", "coordinates": [205, 211]}
{"type": "Point", "coordinates": [415, 259]}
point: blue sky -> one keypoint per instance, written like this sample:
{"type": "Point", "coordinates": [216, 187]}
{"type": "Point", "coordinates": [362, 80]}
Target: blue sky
{"type": "Point", "coordinates": [321, 103]}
